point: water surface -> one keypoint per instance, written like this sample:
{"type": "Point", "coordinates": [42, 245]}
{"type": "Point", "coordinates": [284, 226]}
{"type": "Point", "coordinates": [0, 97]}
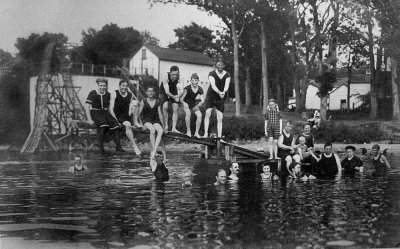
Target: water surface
{"type": "Point", "coordinates": [44, 206]}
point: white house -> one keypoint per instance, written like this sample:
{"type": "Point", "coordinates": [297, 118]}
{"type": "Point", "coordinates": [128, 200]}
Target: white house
{"type": "Point", "coordinates": [156, 61]}
{"type": "Point", "coordinates": [337, 99]}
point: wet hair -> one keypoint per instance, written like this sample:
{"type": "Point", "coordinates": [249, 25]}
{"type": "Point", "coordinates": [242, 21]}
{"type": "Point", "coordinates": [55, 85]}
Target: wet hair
{"type": "Point", "coordinates": [174, 68]}
{"type": "Point", "coordinates": [194, 76]}
{"type": "Point", "coordinates": [327, 145]}
{"type": "Point", "coordinates": [350, 147]}
{"type": "Point", "coordinates": [300, 136]}
{"type": "Point", "coordinates": [104, 80]}
{"type": "Point", "coordinates": [123, 81]}
{"type": "Point", "coordinates": [152, 87]}
{"type": "Point", "coordinates": [305, 124]}
{"type": "Point", "coordinates": [219, 171]}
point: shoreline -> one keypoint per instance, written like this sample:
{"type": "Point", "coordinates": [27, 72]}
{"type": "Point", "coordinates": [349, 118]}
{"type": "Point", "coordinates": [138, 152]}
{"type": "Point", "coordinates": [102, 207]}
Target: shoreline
{"type": "Point", "coordinates": [255, 145]}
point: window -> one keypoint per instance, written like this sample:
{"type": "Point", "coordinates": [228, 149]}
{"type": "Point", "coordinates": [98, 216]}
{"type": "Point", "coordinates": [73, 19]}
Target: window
{"type": "Point", "coordinates": [144, 54]}
{"type": "Point", "coordinates": [343, 104]}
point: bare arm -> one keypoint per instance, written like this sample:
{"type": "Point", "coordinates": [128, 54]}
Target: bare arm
{"type": "Point", "coordinates": [183, 97]}
{"type": "Point", "coordinates": [160, 116]}
{"type": "Point", "coordinates": [281, 145]}
{"type": "Point", "coordinates": [227, 82]}
{"type": "Point", "coordinates": [384, 159]}
{"type": "Point", "coordinates": [338, 163]}
{"type": "Point", "coordinates": [212, 84]}
{"type": "Point", "coordinates": [112, 104]}
{"type": "Point", "coordinates": [313, 155]}
{"type": "Point", "coordinates": [89, 117]}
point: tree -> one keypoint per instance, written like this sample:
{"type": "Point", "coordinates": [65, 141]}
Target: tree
{"type": "Point", "coordinates": [194, 37]}
{"type": "Point", "coordinates": [32, 48]}
{"type": "Point", "coordinates": [353, 46]}
{"type": "Point", "coordinates": [5, 58]}
{"type": "Point", "coordinates": [389, 18]}
{"type": "Point", "coordinates": [233, 13]}
{"type": "Point", "coordinates": [111, 44]}
{"type": "Point", "coordinates": [148, 38]}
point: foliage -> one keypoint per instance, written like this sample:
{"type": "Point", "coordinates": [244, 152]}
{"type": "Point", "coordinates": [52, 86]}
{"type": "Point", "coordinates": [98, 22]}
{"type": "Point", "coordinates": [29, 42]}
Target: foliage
{"type": "Point", "coordinates": [326, 81]}
{"type": "Point", "coordinates": [111, 44]}
{"type": "Point", "coordinates": [32, 48]}
{"type": "Point", "coordinates": [194, 37]}
{"type": "Point", "coordinates": [5, 58]}
{"type": "Point", "coordinates": [148, 38]}
{"type": "Point", "coordinates": [328, 132]}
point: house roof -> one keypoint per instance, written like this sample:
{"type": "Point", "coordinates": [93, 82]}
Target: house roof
{"type": "Point", "coordinates": [169, 54]}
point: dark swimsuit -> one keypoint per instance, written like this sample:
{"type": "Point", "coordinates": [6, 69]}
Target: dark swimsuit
{"type": "Point", "coordinates": [121, 106]}
{"type": "Point", "coordinates": [327, 166]}
{"type": "Point", "coordinates": [380, 167]}
{"type": "Point", "coordinates": [76, 170]}
{"type": "Point", "coordinates": [150, 114]}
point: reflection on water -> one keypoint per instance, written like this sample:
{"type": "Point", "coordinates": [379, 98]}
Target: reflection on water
{"type": "Point", "coordinates": [118, 204]}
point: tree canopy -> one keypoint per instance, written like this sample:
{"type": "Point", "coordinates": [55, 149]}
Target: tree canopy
{"type": "Point", "coordinates": [111, 44]}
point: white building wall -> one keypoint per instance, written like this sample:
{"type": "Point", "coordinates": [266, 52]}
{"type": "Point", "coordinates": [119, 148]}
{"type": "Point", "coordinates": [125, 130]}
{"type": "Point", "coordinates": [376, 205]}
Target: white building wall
{"type": "Point", "coordinates": [86, 84]}
{"type": "Point", "coordinates": [186, 71]}
{"type": "Point", "coordinates": [138, 66]}
{"type": "Point", "coordinates": [312, 99]}
{"type": "Point", "coordinates": [335, 97]}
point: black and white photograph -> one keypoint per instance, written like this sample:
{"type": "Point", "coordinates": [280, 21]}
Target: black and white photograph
{"type": "Point", "coordinates": [226, 124]}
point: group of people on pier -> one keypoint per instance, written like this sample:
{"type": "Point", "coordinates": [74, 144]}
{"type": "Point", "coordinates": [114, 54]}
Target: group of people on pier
{"type": "Point", "coordinates": [121, 109]}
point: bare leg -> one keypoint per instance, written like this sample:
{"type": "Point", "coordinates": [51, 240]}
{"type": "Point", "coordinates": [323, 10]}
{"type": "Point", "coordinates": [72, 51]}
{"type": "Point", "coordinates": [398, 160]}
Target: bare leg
{"type": "Point", "coordinates": [164, 151]}
{"type": "Point", "coordinates": [276, 149]}
{"type": "Point", "coordinates": [271, 145]}
{"type": "Point", "coordinates": [135, 112]}
{"type": "Point", "coordinates": [207, 121]}
{"type": "Point", "coordinates": [220, 116]}
{"type": "Point", "coordinates": [152, 130]}
{"type": "Point", "coordinates": [175, 107]}
{"type": "Point", "coordinates": [187, 121]}
{"type": "Point", "coordinates": [198, 123]}
{"type": "Point", "coordinates": [165, 114]}
{"type": "Point", "coordinates": [129, 134]}
{"type": "Point", "coordinates": [159, 130]}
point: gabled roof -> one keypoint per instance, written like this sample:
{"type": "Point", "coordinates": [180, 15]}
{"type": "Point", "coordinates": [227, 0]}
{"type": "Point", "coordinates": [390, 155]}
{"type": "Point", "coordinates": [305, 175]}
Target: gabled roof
{"type": "Point", "coordinates": [169, 54]}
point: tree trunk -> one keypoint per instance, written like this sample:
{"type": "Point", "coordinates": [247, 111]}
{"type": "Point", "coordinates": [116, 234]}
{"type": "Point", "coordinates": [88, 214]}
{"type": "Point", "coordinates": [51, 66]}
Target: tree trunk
{"type": "Point", "coordinates": [264, 67]}
{"type": "Point", "coordinates": [374, 102]}
{"type": "Point", "coordinates": [247, 88]}
{"type": "Point", "coordinates": [236, 65]}
{"type": "Point", "coordinates": [349, 74]}
{"type": "Point", "coordinates": [279, 98]}
{"type": "Point", "coordinates": [323, 106]}
{"type": "Point", "coordinates": [395, 90]}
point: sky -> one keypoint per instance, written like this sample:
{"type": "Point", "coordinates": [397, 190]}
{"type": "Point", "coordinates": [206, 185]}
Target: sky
{"type": "Point", "coordinates": [20, 18]}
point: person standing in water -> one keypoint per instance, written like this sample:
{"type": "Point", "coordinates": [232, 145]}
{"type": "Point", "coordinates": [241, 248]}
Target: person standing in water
{"type": "Point", "coordinates": [219, 85]}
{"type": "Point", "coordinates": [78, 167]}
{"type": "Point", "coordinates": [379, 161]}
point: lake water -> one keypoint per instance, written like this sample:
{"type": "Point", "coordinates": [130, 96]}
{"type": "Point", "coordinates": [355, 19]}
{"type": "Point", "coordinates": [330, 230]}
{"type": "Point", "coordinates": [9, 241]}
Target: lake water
{"type": "Point", "coordinates": [44, 206]}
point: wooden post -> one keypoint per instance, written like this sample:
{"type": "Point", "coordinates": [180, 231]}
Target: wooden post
{"type": "Point", "coordinates": [229, 153]}
{"type": "Point", "coordinates": [207, 151]}
{"type": "Point", "coordinates": [219, 147]}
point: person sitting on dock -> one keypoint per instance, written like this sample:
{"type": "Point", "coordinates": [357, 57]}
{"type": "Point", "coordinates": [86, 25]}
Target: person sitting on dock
{"type": "Point", "coordinates": [220, 177]}
{"type": "Point", "coordinates": [351, 164]}
{"type": "Point", "coordinates": [379, 161]}
{"type": "Point", "coordinates": [192, 99]}
{"type": "Point", "coordinates": [234, 172]}
{"type": "Point", "coordinates": [267, 174]}
{"type": "Point", "coordinates": [150, 110]}
{"type": "Point", "coordinates": [78, 167]}
{"type": "Point", "coordinates": [273, 127]}
{"type": "Point", "coordinates": [98, 113]}
{"type": "Point", "coordinates": [286, 146]}
{"type": "Point", "coordinates": [169, 93]}
{"type": "Point", "coordinates": [307, 135]}
{"type": "Point", "coordinates": [219, 85]}
{"type": "Point", "coordinates": [329, 163]}
{"type": "Point", "coordinates": [121, 102]}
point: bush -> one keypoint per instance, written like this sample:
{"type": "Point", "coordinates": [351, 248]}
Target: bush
{"type": "Point", "coordinates": [327, 132]}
